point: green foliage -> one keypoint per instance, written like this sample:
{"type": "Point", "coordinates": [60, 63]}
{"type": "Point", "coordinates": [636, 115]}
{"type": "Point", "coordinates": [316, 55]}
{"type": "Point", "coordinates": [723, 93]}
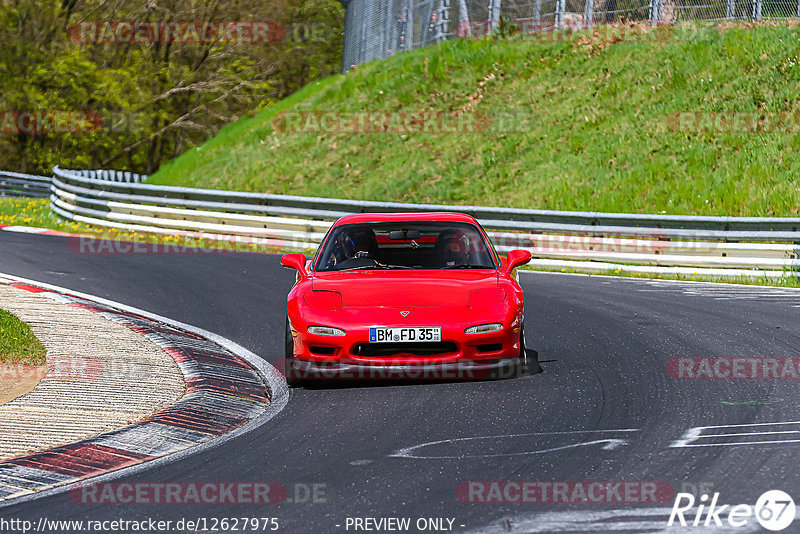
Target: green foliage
{"type": "Point", "coordinates": [156, 99]}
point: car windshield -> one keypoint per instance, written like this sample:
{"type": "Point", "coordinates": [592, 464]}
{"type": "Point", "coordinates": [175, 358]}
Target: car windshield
{"type": "Point", "coordinates": [405, 245]}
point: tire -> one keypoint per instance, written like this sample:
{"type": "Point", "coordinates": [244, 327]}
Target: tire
{"type": "Point", "coordinates": [288, 347]}
{"type": "Point", "coordinates": [522, 360]}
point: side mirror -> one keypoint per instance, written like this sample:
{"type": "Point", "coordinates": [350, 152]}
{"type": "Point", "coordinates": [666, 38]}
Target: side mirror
{"type": "Point", "coordinates": [515, 259]}
{"type": "Point", "coordinates": [297, 262]}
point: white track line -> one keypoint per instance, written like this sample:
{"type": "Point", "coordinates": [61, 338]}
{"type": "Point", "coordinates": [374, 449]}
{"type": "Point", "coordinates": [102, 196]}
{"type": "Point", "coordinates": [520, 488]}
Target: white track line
{"type": "Point", "coordinates": [664, 282]}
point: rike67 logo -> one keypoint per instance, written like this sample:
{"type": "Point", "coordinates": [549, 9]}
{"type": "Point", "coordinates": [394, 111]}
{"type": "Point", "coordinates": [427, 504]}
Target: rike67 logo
{"type": "Point", "coordinates": [774, 511]}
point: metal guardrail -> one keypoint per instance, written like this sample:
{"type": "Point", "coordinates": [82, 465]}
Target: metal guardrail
{"type": "Point", "coordinates": [102, 198]}
{"type": "Point", "coordinates": [106, 175]}
{"type": "Point", "coordinates": [13, 184]}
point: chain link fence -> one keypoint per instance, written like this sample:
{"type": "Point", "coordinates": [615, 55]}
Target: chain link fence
{"type": "Point", "coordinates": [376, 30]}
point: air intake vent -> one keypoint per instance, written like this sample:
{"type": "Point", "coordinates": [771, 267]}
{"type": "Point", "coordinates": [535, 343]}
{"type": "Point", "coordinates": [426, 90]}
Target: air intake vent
{"type": "Point", "coordinates": [404, 349]}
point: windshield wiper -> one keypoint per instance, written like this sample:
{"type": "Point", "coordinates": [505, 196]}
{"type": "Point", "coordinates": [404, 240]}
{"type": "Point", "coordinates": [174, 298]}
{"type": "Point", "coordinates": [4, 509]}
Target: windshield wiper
{"type": "Point", "coordinates": [468, 267]}
{"type": "Point", "coordinates": [392, 266]}
{"type": "Point", "coordinates": [377, 266]}
{"type": "Point", "coordinates": [359, 268]}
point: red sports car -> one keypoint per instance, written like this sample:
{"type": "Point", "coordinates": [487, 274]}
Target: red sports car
{"type": "Point", "coordinates": [405, 295]}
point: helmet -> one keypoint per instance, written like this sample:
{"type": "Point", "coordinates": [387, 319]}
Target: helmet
{"type": "Point", "coordinates": [452, 248]}
{"type": "Point", "coordinates": [358, 243]}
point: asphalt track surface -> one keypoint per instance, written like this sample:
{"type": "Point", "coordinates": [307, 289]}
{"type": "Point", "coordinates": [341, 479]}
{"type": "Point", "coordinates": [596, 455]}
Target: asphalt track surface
{"type": "Point", "coordinates": [604, 409]}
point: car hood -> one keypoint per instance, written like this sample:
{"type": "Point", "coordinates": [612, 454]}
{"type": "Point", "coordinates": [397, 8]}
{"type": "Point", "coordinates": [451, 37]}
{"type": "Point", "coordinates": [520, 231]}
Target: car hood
{"type": "Point", "coordinates": [405, 288]}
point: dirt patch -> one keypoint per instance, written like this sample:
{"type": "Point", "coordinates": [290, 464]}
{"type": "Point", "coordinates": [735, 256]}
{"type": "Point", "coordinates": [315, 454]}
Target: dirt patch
{"type": "Point", "coordinates": [13, 387]}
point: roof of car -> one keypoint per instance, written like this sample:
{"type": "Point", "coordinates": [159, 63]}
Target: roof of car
{"type": "Point", "coordinates": [445, 216]}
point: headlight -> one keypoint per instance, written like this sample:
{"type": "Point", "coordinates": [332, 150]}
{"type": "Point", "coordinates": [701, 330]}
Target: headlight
{"type": "Point", "coordinates": [484, 328]}
{"type": "Point", "coordinates": [325, 331]}
{"type": "Point", "coordinates": [324, 300]}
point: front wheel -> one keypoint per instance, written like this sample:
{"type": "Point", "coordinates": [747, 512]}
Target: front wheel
{"type": "Point", "coordinates": [292, 380]}
{"type": "Point", "coordinates": [521, 367]}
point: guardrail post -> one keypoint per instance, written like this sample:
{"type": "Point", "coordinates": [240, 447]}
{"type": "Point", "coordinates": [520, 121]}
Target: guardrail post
{"type": "Point", "coordinates": [463, 19]}
{"type": "Point", "coordinates": [588, 14]}
{"type": "Point", "coordinates": [494, 14]}
{"type": "Point", "coordinates": [560, 7]}
{"type": "Point", "coordinates": [655, 11]}
{"type": "Point", "coordinates": [756, 14]}
{"type": "Point", "coordinates": [388, 29]}
{"type": "Point", "coordinates": [442, 20]}
{"type": "Point", "coordinates": [408, 37]}
{"type": "Point", "coordinates": [427, 25]}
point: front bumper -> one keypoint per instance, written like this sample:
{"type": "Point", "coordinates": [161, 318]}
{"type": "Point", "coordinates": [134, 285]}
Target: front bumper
{"type": "Point", "coordinates": [467, 355]}
{"type": "Point", "coordinates": [460, 347]}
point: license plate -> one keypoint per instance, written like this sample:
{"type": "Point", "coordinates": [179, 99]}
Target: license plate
{"type": "Point", "coordinates": [405, 334]}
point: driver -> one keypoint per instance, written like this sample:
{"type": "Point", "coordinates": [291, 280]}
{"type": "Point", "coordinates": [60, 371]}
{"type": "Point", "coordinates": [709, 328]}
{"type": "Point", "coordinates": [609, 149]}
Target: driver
{"type": "Point", "coordinates": [359, 243]}
{"type": "Point", "coordinates": [364, 244]}
{"type": "Point", "coordinates": [452, 247]}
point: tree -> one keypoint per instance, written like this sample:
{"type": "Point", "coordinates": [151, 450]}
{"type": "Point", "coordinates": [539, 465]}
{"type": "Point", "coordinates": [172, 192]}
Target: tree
{"type": "Point", "coordinates": [146, 100]}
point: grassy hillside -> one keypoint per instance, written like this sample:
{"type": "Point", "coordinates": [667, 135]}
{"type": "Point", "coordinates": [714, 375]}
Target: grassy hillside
{"type": "Point", "coordinates": [588, 123]}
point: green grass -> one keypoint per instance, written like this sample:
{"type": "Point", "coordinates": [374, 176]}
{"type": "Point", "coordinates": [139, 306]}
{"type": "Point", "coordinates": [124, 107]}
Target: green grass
{"type": "Point", "coordinates": [588, 125]}
{"type": "Point", "coordinates": [17, 342]}
{"type": "Point", "coordinates": [24, 211]}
